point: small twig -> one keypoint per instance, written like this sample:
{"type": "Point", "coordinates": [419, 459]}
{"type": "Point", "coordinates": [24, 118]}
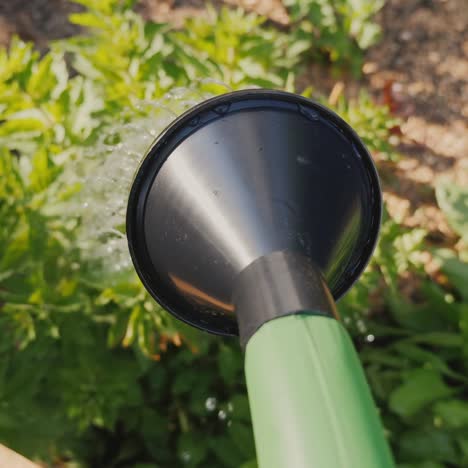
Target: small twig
{"type": "Point", "coordinates": [336, 93]}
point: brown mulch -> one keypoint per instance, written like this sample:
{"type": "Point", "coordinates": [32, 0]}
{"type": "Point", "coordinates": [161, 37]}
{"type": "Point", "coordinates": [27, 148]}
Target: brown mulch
{"type": "Point", "coordinates": [36, 20]}
{"type": "Point", "coordinates": [176, 11]}
{"type": "Point", "coordinates": [421, 67]}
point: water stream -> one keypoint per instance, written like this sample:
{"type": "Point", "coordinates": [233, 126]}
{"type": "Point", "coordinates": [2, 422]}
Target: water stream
{"type": "Point", "coordinates": [106, 172]}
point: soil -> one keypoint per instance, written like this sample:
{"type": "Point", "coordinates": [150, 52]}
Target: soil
{"type": "Point", "coordinates": [419, 68]}
{"type": "Point", "coordinates": [36, 20]}
{"type": "Point", "coordinates": [175, 11]}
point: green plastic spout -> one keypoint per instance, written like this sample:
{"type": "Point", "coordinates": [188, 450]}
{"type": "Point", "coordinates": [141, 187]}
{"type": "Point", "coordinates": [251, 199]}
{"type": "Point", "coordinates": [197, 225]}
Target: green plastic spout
{"type": "Point", "coordinates": [310, 402]}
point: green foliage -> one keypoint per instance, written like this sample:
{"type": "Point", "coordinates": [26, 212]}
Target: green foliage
{"type": "Point", "coordinates": [372, 123]}
{"type": "Point", "coordinates": [148, 59]}
{"type": "Point", "coordinates": [91, 370]}
{"type": "Point", "coordinates": [414, 348]}
{"type": "Point", "coordinates": [97, 359]}
{"type": "Point", "coordinates": [453, 200]}
{"type": "Point", "coordinates": [338, 29]}
{"type": "Point", "coordinates": [234, 48]}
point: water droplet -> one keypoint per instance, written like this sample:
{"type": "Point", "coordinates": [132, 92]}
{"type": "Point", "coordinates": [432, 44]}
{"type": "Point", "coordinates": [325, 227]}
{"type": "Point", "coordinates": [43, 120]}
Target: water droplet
{"type": "Point", "coordinates": [211, 403]}
{"type": "Point", "coordinates": [195, 121]}
{"type": "Point", "coordinates": [311, 114]}
{"type": "Point", "coordinates": [449, 298]}
{"type": "Point", "coordinates": [356, 150]}
{"type": "Point", "coordinates": [106, 170]}
{"type": "Point", "coordinates": [303, 160]}
{"type": "Point", "coordinates": [185, 456]}
{"type": "Point", "coordinates": [230, 407]}
{"type": "Point", "coordinates": [361, 326]}
{"type": "Point", "coordinates": [370, 338]}
{"type": "Point", "coordinates": [222, 108]}
{"type": "Point", "coordinates": [222, 415]}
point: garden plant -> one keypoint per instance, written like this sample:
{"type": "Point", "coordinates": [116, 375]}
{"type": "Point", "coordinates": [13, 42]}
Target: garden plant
{"type": "Point", "coordinates": [92, 371]}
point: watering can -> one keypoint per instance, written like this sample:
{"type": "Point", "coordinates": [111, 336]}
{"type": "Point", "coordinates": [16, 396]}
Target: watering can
{"type": "Point", "coordinates": [250, 215]}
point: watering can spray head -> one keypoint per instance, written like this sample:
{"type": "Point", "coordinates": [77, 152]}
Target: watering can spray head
{"type": "Point", "coordinates": [250, 215]}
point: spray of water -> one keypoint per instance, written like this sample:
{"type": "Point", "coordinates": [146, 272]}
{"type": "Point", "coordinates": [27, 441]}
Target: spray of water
{"type": "Point", "coordinates": [106, 173]}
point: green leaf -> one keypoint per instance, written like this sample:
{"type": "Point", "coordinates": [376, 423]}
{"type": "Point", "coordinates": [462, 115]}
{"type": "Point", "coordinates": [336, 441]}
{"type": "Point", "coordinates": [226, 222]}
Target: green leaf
{"type": "Point", "coordinates": [250, 464]}
{"type": "Point", "coordinates": [17, 124]}
{"type": "Point", "coordinates": [428, 444]}
{"type": "Point", "coordinates": [435, 313]}
{"type": "Point", "coordinates": [453, 413]}
{"type": "Point", "coordinates": [428, 359]}
{"type": "Point", "coordinates": [191, 449]}
{"type": "Point", "coordinates": [226, 451]}
{"type": "Point", "coordinates": [155, 430]}
{"type": "Point", "coordinates": [427, 464]}
{"type": "Point", "coordinates": [242, 436]}
{"type": "Point", "coordinates": [455, 269]}
{"type": "Point", "coordinates": [449, 340]}
{"type": "Point", "coordinates": [453, 201]}
{"type": "Point", "coordinates": [230, 363]}
{"type": "Point", "coordinates": [419, 388]}
{"type": "Point", "coordinates": [49, 78]}
{"type": "Point", "coordinates": [43, 170]}
{"type": "Point", "coordinates": [90, 20]}
{"type": "Point", "coordinates": [369, 35]}
{"type": "Point", "coordinates": [185, 381]}
{"type": "Point", "coordinates": [240, 408]}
